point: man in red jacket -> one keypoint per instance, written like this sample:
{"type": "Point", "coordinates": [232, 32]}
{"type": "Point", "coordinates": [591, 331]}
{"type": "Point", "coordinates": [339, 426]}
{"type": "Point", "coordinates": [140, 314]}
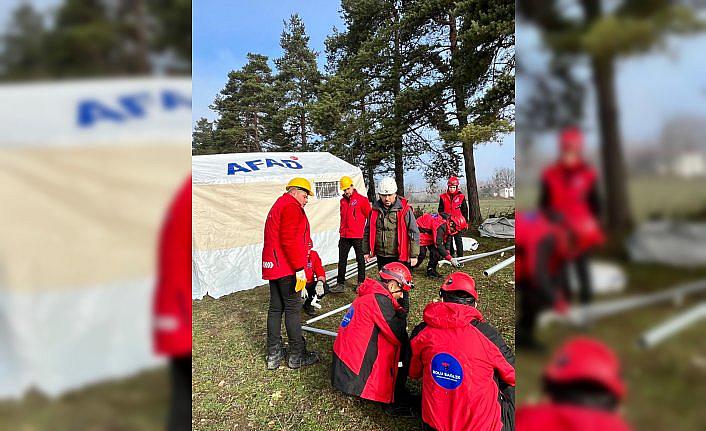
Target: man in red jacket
{"type": "Point", "coordinates": [284, 257]}
{"type": "Point", "coordinates": [172, 305]}
{"type": "Point", "coordinates": [467, 370]}
{"type": "Point", "coordinates": [354, 213]}
{"type": "Point", "coordinates": [434, 234]}
{"type": "Point", "coordinates": [584, 387]}
{"type": "Point", "coordinates": [540, 272]}
{"type": "Point", "coordinates": [371, 337]}
{"type": "Point", "coordinates": [453, 203]}
{"type": "Point", "coordinates": [570, 189]}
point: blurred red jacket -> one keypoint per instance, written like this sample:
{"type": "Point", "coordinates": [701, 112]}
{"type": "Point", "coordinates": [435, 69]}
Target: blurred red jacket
{"type": "Point", "coordinates": [287, 234]}
{"type": "Point", "coordinates": [457, 364]}
{"type": "Point", "coordinates": [572, 192]}
{"type": "Point", "coordinates": [564, 417]}
{"type": "Point", "coordinates": [367, 348]}
{"type": "Point", "coordinates": [172, 300]}
{"type": "Point", "coordinates": [354, 213]}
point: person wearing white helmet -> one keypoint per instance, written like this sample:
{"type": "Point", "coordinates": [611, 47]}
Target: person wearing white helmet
{"type": "Point", "coordinates": [391, 233]}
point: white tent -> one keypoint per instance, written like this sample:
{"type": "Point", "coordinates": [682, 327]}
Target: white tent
{"type": "Point", "coordinates": [87, 169]}
{"type": "Point", "coordinates": [232, 194]}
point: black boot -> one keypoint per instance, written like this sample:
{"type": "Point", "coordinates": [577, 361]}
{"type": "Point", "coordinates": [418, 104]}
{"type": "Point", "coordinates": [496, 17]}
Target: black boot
{"type": "Point", "coordinates": [275, 355]}
{"type": "Point", "coordinates": [310, 310]}
{"type": "Point", "coordinates": [302, 357]}
{"type": "Point", "coordinates": [431, 272]}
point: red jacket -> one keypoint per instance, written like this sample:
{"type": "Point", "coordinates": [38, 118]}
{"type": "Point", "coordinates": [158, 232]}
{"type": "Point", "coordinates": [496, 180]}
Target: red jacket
{"type": "Point", "coordinates": [172, 300]}
{"type": "Point", "coordinates": [403, 239]}
{"type": "Point", "coordinates": [541, 247]}
{"type": "Point", "coordinates": [457, 364]}
{"type": "Point", "coordinates": [367, 349]}
{"type": "Point", "coordinates": [286, 237]}
{"type": "Point", "coordinates": [354, 213]}
{"type": "Point", "coordinates": [564, 417]}
{"type": "Point", "coordinates": [571, 192]}
{"type": "Point", "coordinates": [432, 231]}
{"type": "Point", "coordinates": [453, 204]}
{"type": "Point", "coordinates": [314, 267]}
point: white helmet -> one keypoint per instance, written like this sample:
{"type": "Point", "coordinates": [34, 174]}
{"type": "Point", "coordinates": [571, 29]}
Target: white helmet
{"type": "Point", "coordinates": [387, 186]}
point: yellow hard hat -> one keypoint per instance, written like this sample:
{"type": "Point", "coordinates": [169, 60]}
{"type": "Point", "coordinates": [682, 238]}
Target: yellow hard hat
{"type": "Point", "coordinates": [301, 183]}
{"type": "Point", "coordinates": [346, 182]}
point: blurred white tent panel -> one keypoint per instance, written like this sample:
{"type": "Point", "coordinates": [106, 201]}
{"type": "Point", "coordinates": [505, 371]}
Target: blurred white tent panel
{"type": "Point", "coordinates": [87, 169]}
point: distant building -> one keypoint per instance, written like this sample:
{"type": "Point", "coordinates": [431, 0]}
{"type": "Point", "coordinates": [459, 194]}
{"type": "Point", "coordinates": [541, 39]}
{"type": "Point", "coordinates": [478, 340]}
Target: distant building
{"type": "Point", "coordinates": [507, 192]}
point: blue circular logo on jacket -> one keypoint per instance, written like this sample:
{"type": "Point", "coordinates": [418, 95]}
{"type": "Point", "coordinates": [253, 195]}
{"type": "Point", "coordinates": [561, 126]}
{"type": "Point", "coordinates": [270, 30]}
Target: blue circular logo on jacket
{"type": "Point", "coordinates": [446, 371]}
{"type": "Point", "coordinates": [348, 317]}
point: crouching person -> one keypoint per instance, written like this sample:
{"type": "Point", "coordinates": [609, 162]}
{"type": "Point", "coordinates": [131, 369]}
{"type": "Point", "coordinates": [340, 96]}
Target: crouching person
{"type": "Point", "coordinates": [462, 361]}
{"type": "Point", "coordinates": [371, 341]}
{"type": "Point", "coordinates": [315, 273]}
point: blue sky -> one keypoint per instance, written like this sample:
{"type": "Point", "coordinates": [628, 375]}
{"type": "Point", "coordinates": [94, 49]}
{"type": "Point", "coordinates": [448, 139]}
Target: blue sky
{"type": "Point", "coordinates": [224, 32]}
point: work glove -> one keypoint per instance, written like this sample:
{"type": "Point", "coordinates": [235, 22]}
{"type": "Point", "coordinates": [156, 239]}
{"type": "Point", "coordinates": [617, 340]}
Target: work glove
{"type": "Point", "coordinates": [455, 262]}
{"type": "Point", "coordinates": [301, 280]}
{"type": "Point", "coordinates": [320, 288]}
{"type": "Point", "coordinates": [304, 294]}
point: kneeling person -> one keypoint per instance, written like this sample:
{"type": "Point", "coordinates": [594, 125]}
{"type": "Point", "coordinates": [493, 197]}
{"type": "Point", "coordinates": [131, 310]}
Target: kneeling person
{"type": "Point", "coordinates": [459, 356]}
{"type": "Point", "coordinates": [315, 273]}
{"type": "Point", "coordinates": [372, 334]}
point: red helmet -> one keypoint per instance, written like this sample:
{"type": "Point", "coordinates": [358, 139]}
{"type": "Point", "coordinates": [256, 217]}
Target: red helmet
{"type": "Point", "coordinates": [453, 181]}
{"type": "Point", "coordinates": [460, 281]}
{"type": "Point", "coordinates": [399, 272]}
{"type": "Point", "coordinates": [571, 139]}
{"type": "Point", "coordinates": [586, 359]}
{"type": "Point", "coordinates": [457, 223]}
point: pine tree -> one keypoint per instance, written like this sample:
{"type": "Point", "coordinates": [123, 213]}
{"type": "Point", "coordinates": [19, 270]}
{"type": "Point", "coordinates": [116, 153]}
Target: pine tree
{"type": "Point", "coordinates": [23, 45]}
{"type": "Point", "coordinates": [203, 140]}
{"type": "Point", "coordinates": [246, 108]}
{"type": "Point", "coordinates": [296, 85]}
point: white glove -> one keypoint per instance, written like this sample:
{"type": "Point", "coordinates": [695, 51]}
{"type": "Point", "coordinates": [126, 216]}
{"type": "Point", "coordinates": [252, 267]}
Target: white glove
{"type": "Point", "coordinates": [301, 280]}
{"type": "Point", "coordinates": [455, 262]}
{"type": "Point", "coordinates": [320, 288]}
{"type": "Point", "coordinates": [305, 294]}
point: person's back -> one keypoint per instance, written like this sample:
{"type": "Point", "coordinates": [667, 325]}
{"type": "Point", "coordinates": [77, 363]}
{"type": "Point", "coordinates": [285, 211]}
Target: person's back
{"type": "Point", "coordinates": [457, 364]}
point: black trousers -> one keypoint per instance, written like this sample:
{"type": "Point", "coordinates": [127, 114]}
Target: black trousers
{"type": "Point", "coordinates": [455, 243]}
{"type": "Point", "coordinates": [284, 300]}
{"type": "Point", "coordinates": [344, 247]}
{"type": "Point", "coordinates": [583, 272]}
{"type": "Point", "coordinates": [434, 256]}
{"type": "Point", "coordinates": [528, 305]}
{"type": "Point", "coordinates": [311, 290]}
{"type": "Point", "coordinates": [180, 402]}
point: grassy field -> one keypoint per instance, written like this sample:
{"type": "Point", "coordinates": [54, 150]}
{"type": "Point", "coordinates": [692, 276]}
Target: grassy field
{"type": "Point", "coordinates": [487, 206]}
{"type": "Point", "coordinates": [666, 385]}
{"type": "Point", "coordinates": [135, 404]}
{"type": "Point", "coordinates": [232, 389]}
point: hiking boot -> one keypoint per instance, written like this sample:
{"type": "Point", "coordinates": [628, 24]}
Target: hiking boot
{"type": "Point", "coordinates": [275, 356]}
{"type": "Point", "coordinates": [310, 310]}
{"type": "Point", "coordinates": [431, 272]}
{"type": "Point", "coordinates": [400, 411]}
{"type": "Point", "coordinates": [339, 288]}
{"type": "Point", "coordinates": [302, 359]}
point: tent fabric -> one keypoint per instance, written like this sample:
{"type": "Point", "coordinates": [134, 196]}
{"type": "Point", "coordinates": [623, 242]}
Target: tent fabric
{"type": "Point", "coordinates": [82, 205]}
{"type": "Point", "coordinates": [673, 243]}
{"type": "Point", "coordinates": [606, 278]}
{"type": "Point", "coordinates": [497, 227]}
{"type": "Point", "coordinates": [231, 198]}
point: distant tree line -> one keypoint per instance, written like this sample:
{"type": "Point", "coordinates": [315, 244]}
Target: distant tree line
{"type": "Point", "coordinates": [89, 38]}
{"type": "Point", "coordinates": [405, 84]}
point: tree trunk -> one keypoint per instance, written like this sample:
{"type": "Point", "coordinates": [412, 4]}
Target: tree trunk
{"type": "Point", "coordinates": [302, 131]}
{"type": "Point", "coordinates": [474, 217]}
{"type": "Point", "coordinates": [618, 212]}
{"type": "Point", "coordinates": [397, 145]}
{"type": "Point", "coordinates": [257, 132]}
{"type": "Point", "coordinates": [370, 177]}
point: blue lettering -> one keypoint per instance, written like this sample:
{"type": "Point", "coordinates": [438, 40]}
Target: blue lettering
{"type": "Point", "coordinates": [172, 100]}
{"type": "Point", "coordinates": [253, 164]}
{"type": "Point", "coordinates": [134, 104]}
{"type": "Point", "coordinates": [292, 164]}
{"type": "Point", "coordinates": [90, 111]}
{"type": "Point", "coordinates": [273, 162]}
{"type": "Point", "coordinates": [234, 167]}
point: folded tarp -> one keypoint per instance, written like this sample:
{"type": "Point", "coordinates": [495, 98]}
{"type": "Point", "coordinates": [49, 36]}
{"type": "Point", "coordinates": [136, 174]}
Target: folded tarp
{"type": "Point", "coordinates": [673, 243]}
{"type": "Point", "coordinates": [497, 227]}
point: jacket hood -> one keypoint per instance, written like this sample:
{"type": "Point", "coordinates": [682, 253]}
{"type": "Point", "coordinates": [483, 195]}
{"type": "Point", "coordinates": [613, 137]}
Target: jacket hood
{"type": "Point", "coordinates": [450, 315]}
{"type": "Point", "coordinates": [371, 286]}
